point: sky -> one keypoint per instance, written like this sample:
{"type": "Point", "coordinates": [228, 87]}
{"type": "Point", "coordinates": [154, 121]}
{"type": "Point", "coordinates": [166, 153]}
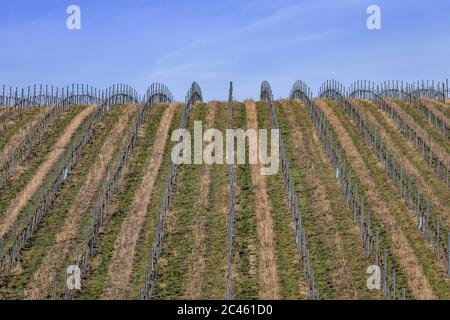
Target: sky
{"type": "Point", "coordinates": [175, 42]}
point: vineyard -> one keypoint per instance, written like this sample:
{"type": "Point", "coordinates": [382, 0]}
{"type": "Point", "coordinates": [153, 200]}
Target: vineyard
{"type": "Point", "coordinates": [89, 187]}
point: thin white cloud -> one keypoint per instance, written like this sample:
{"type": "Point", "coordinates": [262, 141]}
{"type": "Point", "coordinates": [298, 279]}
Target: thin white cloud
{"type": "Point", "coordinates": [297, 12]}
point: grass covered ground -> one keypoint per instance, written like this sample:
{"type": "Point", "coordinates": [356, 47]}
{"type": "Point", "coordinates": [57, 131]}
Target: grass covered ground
{"type": "Point", "coordinates": [193, 264]}
{"type": "Point", "coordinates": [94, 285]}
{"type": "Point", "coordinates": [348, 260]}
{"type": "Point", "coordinates": [39, 156]}
{"type": "Point", "coordinates": [45, 237]}
{"type": "Point", "coordinates": [9, 129]}
{"type": "Point", "coordinates": [404, 219]}
{"type": "Point", "coordinates": [246, 246]}
{"type": "Point", "coordinates": [177, 260]}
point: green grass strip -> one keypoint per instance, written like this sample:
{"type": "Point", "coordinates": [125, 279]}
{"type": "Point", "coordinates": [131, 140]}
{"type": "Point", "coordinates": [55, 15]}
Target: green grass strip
{"type": "Point", "coordinates": [289, 268]}
{"type": "Point", "coordinates": [12, 128]}
{"type": "Point", "coordinates": [176, 259]}
{"type": "Point", "coordinates": [45, 236]}
{"type": "Point", "coordinates": [434, 270]}
{"type": "Point", "coordinates": [215, 282]}
{"type": "Point", "coordinates": [94, 285]}
{"type": "Point", "coordinates": [145, 244]}
{"type": "Point", "coordinates": [39, 155]}
{"type": "Point", "coordinates": [246, 245]}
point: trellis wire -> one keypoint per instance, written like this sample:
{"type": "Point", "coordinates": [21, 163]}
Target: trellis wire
{"type": "Point", "coordinates": [15, 101]}
{"type": "Point", "coordinates": [14, 242]}
{"type": "Point", "coordinates": [74, 94]}
{"type": "Point", "coordinates": [151, 272]}
{"type": "Point", "coordinates": [156, 94]}
{"type": "Point", "coordinates": [18, 154]}
{"type": "Point", "coordinates": [232, 201]}
{"type": "Point", "coordinates": [351, 191]}
{"type": "Point", "coordinates": [409, 92]}
{"type": "Point", "coordinates": [408, 186]}
{"type": "Point", "coordinates": [300, 235]}
{"type": "Point", "coordinates": [435, 156]}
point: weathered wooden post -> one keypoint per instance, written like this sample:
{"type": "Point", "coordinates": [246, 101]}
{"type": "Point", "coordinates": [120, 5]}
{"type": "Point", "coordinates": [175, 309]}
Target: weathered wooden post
{"type": "Point", "coordinates": [443, 123]}
{"type": "Point", "coordinates": [385, 274]}
{"type": "Point", "coordinates": [387, 161]}
{"type": "Point", "coordinates": [418, 202]}
{"type": "Point", "coordinates": [1, 253]}
{"type": "Point", "coordinates": [377, 262]}
{"type": "Point", "coordinates": [417, 134]}
{"type": "Point", "coordinates": [427, 229]}
{"type": "Point", "coordinates": [401, 180]}
{"type": "Point", "coordinates": [54, 291]}
{"type": "Point", "coordinates": [448, 255]}
{"type": "Point", "coordinates": [361, 218]}
{"type": "Point", "coordinates": [65, 296]}
{"type": "Point", "coordinates": [394, 285]}
{"type": "Point", "coordinates": [431, 150]}
{"type": "Point", "coordinates": [12, 157]}
{"type": "Point", "coordinates": [438, 235]}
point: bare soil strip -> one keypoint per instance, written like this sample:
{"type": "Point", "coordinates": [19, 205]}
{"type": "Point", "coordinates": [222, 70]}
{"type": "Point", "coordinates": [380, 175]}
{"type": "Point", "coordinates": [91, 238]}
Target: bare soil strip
{"type": "Point", "coordinates": [435, 112]}
{"type": "Point", "coordinates": [56, 255]}
{"type": "Point", "coordinates": [12, 212]}
{"type": "Point", "coordinates": [214, 282]}
{"type": "Point", "coordinates": [195, 286]}
{"type": "Point", "coordinates": [12, 127]}
{"type": "Point", "coordinates": [438, 140]}
{"type": "Point", "coordinates": [22, 134]}
{"type": "Point", "coordinates": [442, 107]}
{"type": "Point", "coordinates": [322, 209]}
{"type": "Point", "coordinates": [407, 259]}
{"type": "Point", "coordinates": [15, 139]}
{"type": "Point", "coordinates": [267, 266]}
{"type": "Point", "coordinates": [290, 274]}
{"type": "Point", "coordinates": [120, 269]}
{"type": "Point", "coordinates": [439, 197]}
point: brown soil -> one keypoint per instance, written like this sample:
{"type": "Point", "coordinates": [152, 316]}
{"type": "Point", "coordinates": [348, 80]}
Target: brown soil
{"type": "Point", "coordinates": [58, 252]}
{"type": "Point", "coordinates": [20, 201]}
{"type": "Point", "coordinates": [440, 152]}
{"type": "Point", "coordinates": [427, 188]}
{"type": "Point", "coordinates": [414, 273]}
{"type": "Point", "coordinates": [322, 209]}
{"type": "Point", "coordinates": [15, 139]}
{"type": "Point", "coordinates": [267, 272]}
{"type": "Point", "coordinates": [435, 112]}
{"type": "Point", "coordinates": [119, 272]}
{"type": "Point", "coordinates": [195, 285]}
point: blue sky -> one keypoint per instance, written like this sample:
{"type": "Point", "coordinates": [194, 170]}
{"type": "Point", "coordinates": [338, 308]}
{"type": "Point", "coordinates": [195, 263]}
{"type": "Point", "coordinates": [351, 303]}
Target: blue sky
{"type": "Point", "coordinates": [212, 42]}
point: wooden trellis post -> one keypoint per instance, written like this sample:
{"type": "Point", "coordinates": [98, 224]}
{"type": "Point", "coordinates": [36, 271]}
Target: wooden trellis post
{"type": "Point", "coordinates": [438, 235]}
{"type": "Point", "coordinates": [394, 285]}
{"type": "Point", "coordinates": [377, 261]}
{"type": "Point", "coordinates": [385, 273]}
{"type": "Point", "coordinates": [427, 229]}
{"type": "Point", "coordinates": [448, 255]}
